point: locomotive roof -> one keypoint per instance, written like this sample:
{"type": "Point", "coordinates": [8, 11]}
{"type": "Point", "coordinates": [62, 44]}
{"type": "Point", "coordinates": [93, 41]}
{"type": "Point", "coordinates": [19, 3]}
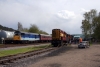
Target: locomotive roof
{"type": "Point", "coordinates": [27, 32]}
{"type": "Point", "coordinates": [33, 33]}
{"type": "Point", "coordinates": [60, 30]}
{"type": "Point", "coordinates": [45, 35]}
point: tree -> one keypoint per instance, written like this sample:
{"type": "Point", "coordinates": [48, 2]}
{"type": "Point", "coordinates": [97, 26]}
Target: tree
{"type": "Point", "coordinates": [25, 29]}
{"type": "Point", "coordinates": [85, 27]}
{"type": "Point", "coordinates": [96, 27]}
{"type": "Point", "coordinates": [20, 27]}
{"type": "Point", "coordinates": [87, 23]}
{"type": "Point", "coordinates": [97, 32]}
{"type": "Point", "coordinates": [42, 32]}
{"type": "Point", "coordinates": [6, 28]}
{"type": "Point", "coordinates": [33, 28]}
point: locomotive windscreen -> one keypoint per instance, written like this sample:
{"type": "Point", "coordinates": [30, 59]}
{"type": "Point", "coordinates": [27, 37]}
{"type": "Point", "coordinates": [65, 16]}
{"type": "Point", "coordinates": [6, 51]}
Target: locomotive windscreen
{"type": "Point", "coordinates": [17, 33]}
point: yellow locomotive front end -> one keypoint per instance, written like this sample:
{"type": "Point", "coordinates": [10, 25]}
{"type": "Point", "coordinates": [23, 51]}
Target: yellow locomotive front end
{"type": "Point", "coordinates": [57, 37]}
{"type": "Point", "coordinates": [56, 34]}
{"type": "Point", "coordinates": [16, 37]}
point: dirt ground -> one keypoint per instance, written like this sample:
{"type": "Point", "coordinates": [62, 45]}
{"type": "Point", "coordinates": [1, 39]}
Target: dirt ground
{"type": "Point", "coordinates": [73, 57]}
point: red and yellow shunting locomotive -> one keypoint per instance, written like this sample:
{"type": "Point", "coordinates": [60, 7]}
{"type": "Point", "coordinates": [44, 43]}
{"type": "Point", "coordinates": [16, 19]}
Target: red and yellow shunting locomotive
{"type": "Point", "coordinates": [60, 37]}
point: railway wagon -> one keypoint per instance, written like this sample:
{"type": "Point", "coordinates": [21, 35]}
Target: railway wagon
{"type": "Point", "coordinates": [69, 38]}
{"type": "Point", "coordinates": [59, 37]}
{"type": "Point", "coordinates": [45, 38]}
{"type": "Point", "coordinates": [6, 36]}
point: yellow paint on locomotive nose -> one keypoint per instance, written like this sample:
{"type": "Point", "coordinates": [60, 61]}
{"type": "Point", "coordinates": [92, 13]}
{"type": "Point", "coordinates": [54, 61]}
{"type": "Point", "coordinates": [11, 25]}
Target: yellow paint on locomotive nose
{"type": "Point", "coordinates": [16, 37]}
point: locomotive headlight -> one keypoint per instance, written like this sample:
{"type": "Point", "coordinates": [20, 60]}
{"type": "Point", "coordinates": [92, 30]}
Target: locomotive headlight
{"type": "Point", "coordinates": [61, 34]}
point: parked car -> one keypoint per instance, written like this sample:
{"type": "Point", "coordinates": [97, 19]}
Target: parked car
{"type": "Point", "coordinates": [84, 44]}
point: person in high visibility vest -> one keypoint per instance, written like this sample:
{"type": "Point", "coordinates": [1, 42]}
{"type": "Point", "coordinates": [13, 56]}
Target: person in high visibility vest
{"type": "Point", "coordinates": [80, 40]}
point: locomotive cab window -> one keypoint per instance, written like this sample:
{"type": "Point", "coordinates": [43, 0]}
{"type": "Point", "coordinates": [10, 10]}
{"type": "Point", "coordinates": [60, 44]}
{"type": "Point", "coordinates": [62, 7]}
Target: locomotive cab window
{"type": "Point", "coordinates": [22, 33]}
{"type": "Point", "coordinates": [17, 33]}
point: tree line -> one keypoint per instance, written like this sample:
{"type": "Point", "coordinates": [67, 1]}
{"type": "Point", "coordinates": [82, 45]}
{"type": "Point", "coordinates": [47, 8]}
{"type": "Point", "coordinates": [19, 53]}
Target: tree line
{"type": "Point", "coordinates": [6, 28]}
{"type": "Point", "coordinates": [91, 24]}
{"type": "Point", "coordinates": [33, 29]}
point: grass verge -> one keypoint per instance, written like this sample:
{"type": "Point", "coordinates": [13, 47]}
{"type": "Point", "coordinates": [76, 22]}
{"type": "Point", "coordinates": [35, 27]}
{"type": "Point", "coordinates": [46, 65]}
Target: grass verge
{"type": "Point", "coordinates": [21, 50]}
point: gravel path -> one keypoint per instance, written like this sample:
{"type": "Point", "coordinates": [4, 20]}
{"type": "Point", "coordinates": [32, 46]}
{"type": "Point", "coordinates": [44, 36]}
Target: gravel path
{"type": "Point", "coordinates": [71, 57]}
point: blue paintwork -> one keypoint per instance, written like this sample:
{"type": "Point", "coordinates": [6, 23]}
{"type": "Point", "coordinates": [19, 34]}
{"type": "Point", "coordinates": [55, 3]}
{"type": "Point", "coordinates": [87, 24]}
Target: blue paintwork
{"type": "Point", "coordinates": [30, 36]}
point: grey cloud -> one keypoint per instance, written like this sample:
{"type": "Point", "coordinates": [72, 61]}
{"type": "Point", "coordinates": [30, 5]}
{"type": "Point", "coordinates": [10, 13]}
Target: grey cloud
{"type": "Point", "coordinates": [46, 14]}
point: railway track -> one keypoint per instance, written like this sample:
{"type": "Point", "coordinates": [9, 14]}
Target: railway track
{"type": "Point", "coordinates": [12, 58]}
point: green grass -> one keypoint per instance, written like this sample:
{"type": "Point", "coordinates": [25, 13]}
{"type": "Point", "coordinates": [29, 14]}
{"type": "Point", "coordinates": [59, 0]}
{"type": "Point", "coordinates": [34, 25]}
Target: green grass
{"type": "Point", "coordinates": [20, 50]}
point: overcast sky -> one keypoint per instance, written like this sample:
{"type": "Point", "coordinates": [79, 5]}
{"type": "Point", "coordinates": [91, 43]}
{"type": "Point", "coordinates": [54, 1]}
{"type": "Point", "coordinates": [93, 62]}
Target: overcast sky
{"type": "Point", "coordinates": [46, 14]}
